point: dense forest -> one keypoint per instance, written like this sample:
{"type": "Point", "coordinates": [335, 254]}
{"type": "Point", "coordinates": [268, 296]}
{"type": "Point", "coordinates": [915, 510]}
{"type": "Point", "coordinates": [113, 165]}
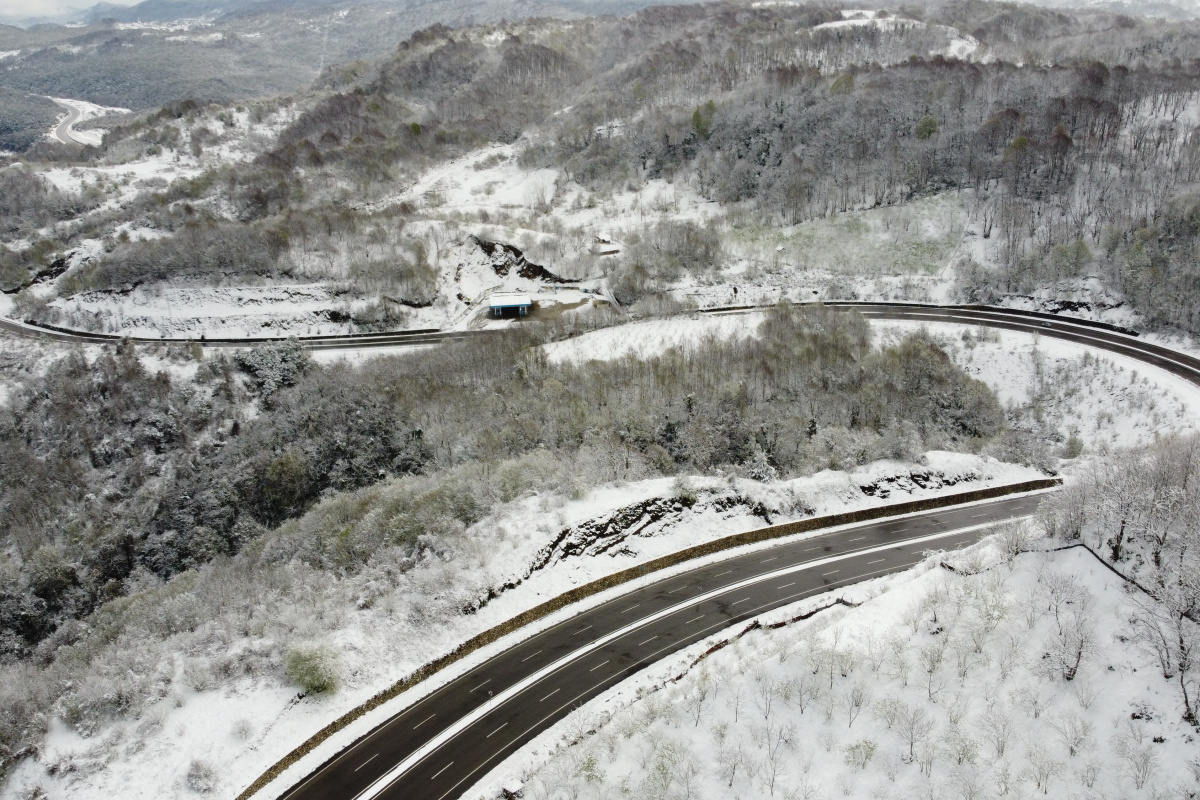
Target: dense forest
{"type": "Point", "coordinates": [1074, 135]}
{"type": "Point", "coordinates": [110, 468]}
{"type": "Point", "coordinates": [24, 119]}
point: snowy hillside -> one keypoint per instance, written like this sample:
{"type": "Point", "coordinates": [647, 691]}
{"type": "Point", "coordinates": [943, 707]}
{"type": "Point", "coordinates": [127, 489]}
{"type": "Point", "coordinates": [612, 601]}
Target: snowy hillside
{"type": "Point", "coordinates": [213, 695]}
{"type": "Point", "coordinates": [980, 674]}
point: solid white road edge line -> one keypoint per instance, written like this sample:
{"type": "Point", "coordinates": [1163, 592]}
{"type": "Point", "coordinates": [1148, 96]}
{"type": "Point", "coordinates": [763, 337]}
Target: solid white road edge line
{"type": "Point", "coordinates": [463, 723]}
{"type": "Point", "coordinates": [425, 689]}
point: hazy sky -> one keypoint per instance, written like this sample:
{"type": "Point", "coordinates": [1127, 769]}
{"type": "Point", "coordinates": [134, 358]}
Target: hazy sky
{"type": "Point", "coordinates": [24, 9]}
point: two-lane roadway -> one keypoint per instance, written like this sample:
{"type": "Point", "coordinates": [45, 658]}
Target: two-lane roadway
{"type": "Point", "coordinates": [438, 747]}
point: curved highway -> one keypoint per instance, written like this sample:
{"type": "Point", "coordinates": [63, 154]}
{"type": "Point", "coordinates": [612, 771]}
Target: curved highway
{"type": "Point", "coordinates": [1084, 332]}
{"type": "Point", "coordinates": [438, 747]}
{"type": "Point", "coordinates": [63, 131]}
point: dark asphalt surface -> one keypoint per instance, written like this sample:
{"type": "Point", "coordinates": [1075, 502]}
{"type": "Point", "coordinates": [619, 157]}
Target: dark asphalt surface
{"type": "Point", "coordinates": [451, 768]}
{"type": "Point", "coordinates": [700, 603]}
{"type": "Point", "coordinates": [1180, 364]}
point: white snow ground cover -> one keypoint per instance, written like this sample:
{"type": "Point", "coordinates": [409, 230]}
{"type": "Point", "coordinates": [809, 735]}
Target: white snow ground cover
{"type": "Point", "coordinates": [652, 338]}
{"type": "Point", "coordinates": [234, 311]}
{"type": "Point", "coordinates": [1109, 400]}
{"type": "Point", "coordinates": [212, 704]}
{"type": "Point", "coordinates": [936, 683]}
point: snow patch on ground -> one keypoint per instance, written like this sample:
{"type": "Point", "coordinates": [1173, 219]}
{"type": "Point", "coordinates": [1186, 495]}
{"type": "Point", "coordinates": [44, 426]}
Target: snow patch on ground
{"type": "Point", "coordinates": [1110, 400]}
{"type": "Point", "coordinates": [651, 338]}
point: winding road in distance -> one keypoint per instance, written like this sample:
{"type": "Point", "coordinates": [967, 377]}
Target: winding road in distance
{"type": "Point", "coordinates": [63, 131]}
{"type": "Point", "coordinates": [1085, 332]}
{"type": "Point", "coordinates": [442, 744]}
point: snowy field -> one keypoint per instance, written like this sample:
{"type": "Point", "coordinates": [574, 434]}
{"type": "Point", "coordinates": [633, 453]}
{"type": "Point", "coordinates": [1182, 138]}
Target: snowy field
{"type": "Point", "coordinates": [1108, 399]}
{"type": "Point", "coordinates": [1004, 676]}
{"type": "Point", "coordinates": [648, 339]}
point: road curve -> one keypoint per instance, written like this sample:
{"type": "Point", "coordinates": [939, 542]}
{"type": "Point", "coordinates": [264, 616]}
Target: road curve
{"type": "Point", "coordinates": [438, 747]}
{"type": "Point", "coordinates": [1084, 332]}
{"type": "Point", "coordinates": [62, 131]}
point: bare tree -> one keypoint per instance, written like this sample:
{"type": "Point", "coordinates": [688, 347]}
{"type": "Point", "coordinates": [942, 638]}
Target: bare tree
{"type": "Point", "coordinates": [876, 650]}
{"type": "Point", "coordinates": [803, 690]}
{"type": "Point", "coordinates": [766, 693]}
{"type": "Point", "coordinates": [775, 741]}
{"type": "Point", "coordinates": [931, 656]}
{"type": "Point", "coordinates": [1138, 757]}
{"type": "Point", "coordinates": [1041, 769]}
{"type": "Point", "coordinates": [697, 699]}
{"type": "Point", "coordinates": [1073, 731]}
{"type": "Point", "coordinates": [855, 698]}
{"type": "Point", "coordinates": [729, 759]}
{"type": "Point", "coordinates": [997, 726]}
{"type": "Point", "coordinates": [913, 726]}
{"type": "Point", "coordinates": [888, 710]}
{"type": "Point", "coordinates": [735, 697]}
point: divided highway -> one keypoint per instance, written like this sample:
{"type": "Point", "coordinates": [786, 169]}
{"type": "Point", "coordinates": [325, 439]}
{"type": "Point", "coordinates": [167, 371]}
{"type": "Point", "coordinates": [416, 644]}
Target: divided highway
{"type": "Point", "coordinates": [438, 747]}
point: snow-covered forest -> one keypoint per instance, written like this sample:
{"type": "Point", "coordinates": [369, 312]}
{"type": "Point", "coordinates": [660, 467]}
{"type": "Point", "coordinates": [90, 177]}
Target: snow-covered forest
{"type": "Point", "coordinates": [200, 547]}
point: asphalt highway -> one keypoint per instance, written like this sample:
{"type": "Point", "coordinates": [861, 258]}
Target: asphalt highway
{"type": "Point", "coordinates": [438, 747]}
{"type": "Point", "coordinates": [62, 131]}
{"type": "Point", "coordinates": [1070, 329]}
{"type": "Point", "coordinates": [1179, 364]}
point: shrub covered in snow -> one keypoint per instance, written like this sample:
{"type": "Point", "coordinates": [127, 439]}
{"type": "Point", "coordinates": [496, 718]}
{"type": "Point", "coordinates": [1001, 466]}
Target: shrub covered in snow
{"type": "Point", "coordinates": [201, 776]}
{"type": "Point", "coordinates": [314, 667]}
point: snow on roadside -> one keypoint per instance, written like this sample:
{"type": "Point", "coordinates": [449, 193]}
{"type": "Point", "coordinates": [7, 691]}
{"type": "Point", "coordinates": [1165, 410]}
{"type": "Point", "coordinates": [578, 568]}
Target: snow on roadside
{"type": "Point", "coordinates": [1109, 399]}
{"type": "Point", "coordinates": [977, 655]}
{"type": "Point", "coordinates": [245, 722]}
{"type": "Point", "coordinates": [87, 111]}
{"type": "Point", "coordinates": [652, 338]}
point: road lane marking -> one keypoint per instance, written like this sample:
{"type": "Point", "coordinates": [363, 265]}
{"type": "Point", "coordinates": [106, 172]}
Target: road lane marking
{"type": "Point", "coordinates": [765, 560]}
{"type": "Point", "coordinates": [581, 630]}
{"type": "Point", "coordinates": [443, 769]}
{"type": "Point", "coordinates": [456, 728]}
{"type": "Point", "coordinates": [793, 583]}
{"type": "Point", "coordinates": [832, 572]}
{"type": "Point", "coordinates": [368, 761]}
{"type": "Point", "coordinates": [719, 574]}
{"type": "Point", "coordinates": [856, 539]}
{"type": "Point", "coordinates": [744, 599]}
{"type": "Point", "coordinates": [493, 733]}
{"type": "Point", "coordinates": [480, 686]}
{"type": "Point", "coordinates": [422, 722]}
{"type": "Point", "coordinates": [526, 658]}
{"type": "Point", "coordinates": [631, 608]}
{"type": "Point", "coordinates": [690, 621]}
{"type": "Point", "coordinates": [598, 666]}
{"type": "Point", "coordinates": [876, 561]}
{"type": "Point", "coordinates": [818, 547]}
{"type": "Point", "coordinates": [680, 589]}
{"type": "Point", "coordinates": [547, 697]}
{"type": "Point", "coordinates": [651, 639]}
